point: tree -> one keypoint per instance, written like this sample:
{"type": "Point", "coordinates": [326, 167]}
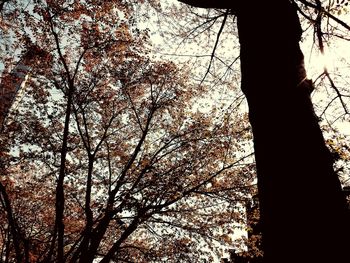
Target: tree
{"type": "Point", "coordinates": [105, 156]}
{"type": "Point", "coordinates": [303, 211]}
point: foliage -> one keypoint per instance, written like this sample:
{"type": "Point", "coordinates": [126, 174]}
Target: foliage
{"type": "Point", "coordinates": [104, 156]}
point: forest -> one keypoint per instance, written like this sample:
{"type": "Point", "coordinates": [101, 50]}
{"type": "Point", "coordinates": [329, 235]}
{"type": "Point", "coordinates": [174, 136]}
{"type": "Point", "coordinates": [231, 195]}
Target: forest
{"type": "Point", "coordinates": [194, 131]}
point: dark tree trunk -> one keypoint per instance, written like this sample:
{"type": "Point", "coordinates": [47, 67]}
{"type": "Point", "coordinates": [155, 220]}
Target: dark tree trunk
{"type": "Point", "coordinates": [303, 211]}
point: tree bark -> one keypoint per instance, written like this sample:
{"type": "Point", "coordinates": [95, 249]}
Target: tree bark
{"type": "Point", "coordinates": [304, 215]}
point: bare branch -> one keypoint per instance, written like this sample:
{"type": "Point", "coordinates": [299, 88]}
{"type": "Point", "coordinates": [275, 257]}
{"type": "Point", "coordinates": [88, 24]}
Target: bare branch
{"type": "Point", "coordinates": [325, 12]}
{"type": "Point", "coordinates": [339, 95]}
{"type": "Point", "coordinates": [216, 44]}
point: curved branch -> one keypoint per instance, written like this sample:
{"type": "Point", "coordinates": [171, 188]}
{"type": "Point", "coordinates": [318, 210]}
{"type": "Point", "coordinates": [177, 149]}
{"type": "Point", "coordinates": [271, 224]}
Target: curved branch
{"type": "Point", "coordinates": [216, 44]}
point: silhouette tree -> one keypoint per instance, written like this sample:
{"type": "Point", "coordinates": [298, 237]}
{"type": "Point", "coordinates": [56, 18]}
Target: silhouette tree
{"type": "Point", "coordinates": [303, 211]}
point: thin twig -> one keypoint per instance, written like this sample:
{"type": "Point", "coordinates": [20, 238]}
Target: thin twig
{"type": "Point", "coordinates": [339, 95]}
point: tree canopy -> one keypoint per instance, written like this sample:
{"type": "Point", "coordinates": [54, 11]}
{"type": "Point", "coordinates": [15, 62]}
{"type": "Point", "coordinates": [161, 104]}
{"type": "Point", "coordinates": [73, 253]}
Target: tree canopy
{"type": "Point", "coordinates": [127, 138]}
{"type": "Point", "coordinates": [105, 153]}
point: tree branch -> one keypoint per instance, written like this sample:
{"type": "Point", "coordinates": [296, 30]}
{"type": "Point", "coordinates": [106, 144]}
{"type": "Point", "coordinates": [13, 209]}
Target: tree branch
{"type": "Point", "coordinates": [340, 22]}
{"type": "Point", "coordinates": [337, 91]}
{"type": "Point", "coordinates": [216, 44]}
{"type": "Point", "coordinates": [208, 3]}
{"type": "Point", "coordinates": [12, 222]}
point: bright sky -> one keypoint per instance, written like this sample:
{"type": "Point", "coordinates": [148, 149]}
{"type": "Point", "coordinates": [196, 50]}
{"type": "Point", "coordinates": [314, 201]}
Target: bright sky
{"type": "Point", "coordinates": [336, 59]}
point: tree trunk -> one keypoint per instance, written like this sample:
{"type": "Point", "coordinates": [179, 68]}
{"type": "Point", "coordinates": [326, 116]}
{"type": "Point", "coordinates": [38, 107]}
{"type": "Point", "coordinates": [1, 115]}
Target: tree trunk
{"type": "Point", "coordinates": [304, 215]}
{"type": "Point", "coordinates": [303, 210]}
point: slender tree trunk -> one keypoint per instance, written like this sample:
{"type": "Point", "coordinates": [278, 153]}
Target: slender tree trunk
{"type": "Point", "coordinates": [303, 211]}
{"type": "Point", "coordinates": [86, 255]}
{"type": "Point", "coordinates": [60, 198]}
{"type": "Point", "coordinates": [12, 224]}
